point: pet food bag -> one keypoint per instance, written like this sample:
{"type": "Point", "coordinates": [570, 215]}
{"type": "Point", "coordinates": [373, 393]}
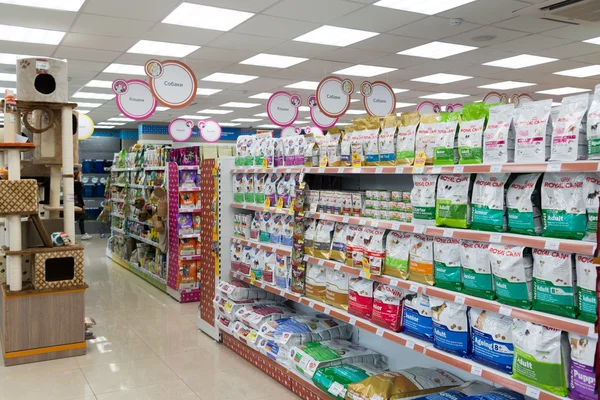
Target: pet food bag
{"type": "Point", "coordinates": [512, 268]}
{"type": "Point", "coordinates": [492, 339]}
{"type": "Point", "coordinates": [523, 204]}
{"type": "Point", "coordinates": [245, 333]}
{"type": "Point", "coordinates": [239, 189]}
{"type": "Point", "coordinates": [360, 297]}
{"type": "Point", "coordinates": [257, 264]}
{"type": "Point", "coordinates": [531, 123]}
{"type": "Point", "coordinates": [541, 357]}
{"type": "Point", "coordinates": [346, 147]}
{"type": "Point", "coordinates": [310, 232]}
{"type": "Point", "coordinates": [269, 266]}
{"type": "Point", "coordinates": [387, 140]}
{"type": "Point", "coordinates": [452, 204]}
{"type": "Point", "coordinates": [563, 206]}
{"type": "Point", "coordinates": [566, 132]}
{"type": "Point", "coordinates": [553, 282]}
{"type": "Point", "coordinates": [315, 282]}
{"type": "Point", "coordinates": [300, 329]}
{"type": "Point", "coordinates": [582, 376]}
{"type": "Point", "coordinates": [425, 137]}
{"type": "Point", "coordinates": [497, 394]}
{"type": "Point", "coordinates": [416, 316]}
{"type": "Point", "coordinates": [498, 137]}
{"type": "Point", "coordinates": [405, 142]}
{"type": "Point", "coordinates": [335, 380]}
{"type": "Point", "coordinates": [408, 383]}
{"type": "Point", "coordinates": [266, 227]}
{"type": "Point", "coordinates": [446, 263]}
{"type": "Point", "coordinates": [477, 274]}
{"type": "Point", "coordinates": [387, 307]}
{"type": "Point", "coordinates": [336, 290]}
{"type": "Point", "coordinates": [488, 210]}
{"type": "Point", "coordinates": [256, 315]}
{"type": "Point", "coordinates": [357, 142]}
{"type": "Point", "coordinates": [353, 238]}
{"type": "Point", "coordinates": [468, 389]}
{"type": "Point", "coordinates": [323, 237]}
{"type": "Point", "coordinates": [422, 198]}
{"type": "Point", "coordinates": [249, 188]}
{"type": "Point", "coordinates": [420, 264]}
{"type": "Point", "coordinates": [586, 287]}
{"type": "Point", "coordinates": [373, 249]}
{"type": "Point", "coordinates": [470, 134]}
{"type": "Point", "coordinates": [443, 151]}
{"type": "Point", "coordinates": [282, 272]}
{"type": "Point", "coordinates": [593, 133]}
{"type": "Point", "coordinates": [592, 191]}
{"type": "Point", "coordinates": [397, 250]}
{"type": "Point", "coordinates": [239, 291]}
{"type": "Point", "coordinates": [247, 255]}
{"type": "Point", "coordinates": [450, 327]}
{"type": "Point", "coordinates": [371, 140]}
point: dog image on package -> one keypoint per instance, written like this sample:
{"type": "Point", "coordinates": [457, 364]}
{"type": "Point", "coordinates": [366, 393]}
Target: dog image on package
{"type": "Point", "coordinates": [416, 316]}
{"type": "Point", "coordinates": [450, 327]}
{"type": "Point", "coordinates": [422, 198]}
{"type": "Point", "coordinates": [553, 282]}
{"type": "Point", "coordinates": [492, 339]}
{"type": "Point", "coordinates": [512, 268]}
{"type": "Point", "coordinates": [582, 377]}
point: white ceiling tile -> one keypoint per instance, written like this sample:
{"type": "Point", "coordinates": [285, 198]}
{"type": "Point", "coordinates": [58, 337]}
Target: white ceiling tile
{"type": "Point", "coordinates": [134, 9]}
{"type": "Point", "coordinates": [97, 42]}
{"type": "Point", "coordinates": [570, 50]}
{"type": "Point", "coordinates": [312, 10]}
{"type": "Point", "coordinates": [275, 27]}
{"type": "Point", "coordinates": [389, 43]}
{"type": "Point", "coordinates": [236, 41]}
{"type": "Point", "coordinates": [529, 24]}
{"type": "Point", "coordinates": [240, 5]}
{"type": "Point", "coordinates": [397, 61]}
{"type": "Point", "coordinates": [110, 26]}
{"type": "Point", "coordinates": [39, 18]}
{"type": "Point", "coordinates": [531, 43]}
{"type": "Point", "coordinates": [575, 32]}
{"type": "Point", "coordinates": [301, 49]}
{"type": "Point", "coordinates": [485, 11]}
{"type": "Point", "coordinates": [214, 53]}
{"type": "Point", "coordinates": [352, 55]}
{"type": "Point", "coordinates": [181, 34]}
{"type": "Point", "coordinates": [376, 19]}
{"type": "Point", "coordinates": [500, 35]}
{"type": "Point", "coordinates": [77, 53]}
{"type": "Point", "coordinates": [593, 58]}
{"type": "Point", "coordinates": [26, 48]}
{"type": "Point", "coordinates": [433, 28]}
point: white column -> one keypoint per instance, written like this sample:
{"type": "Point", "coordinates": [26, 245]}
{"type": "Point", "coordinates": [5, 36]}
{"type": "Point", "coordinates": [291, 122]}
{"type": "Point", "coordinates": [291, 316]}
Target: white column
{"type": "Point", "coordinates": [67, 158]}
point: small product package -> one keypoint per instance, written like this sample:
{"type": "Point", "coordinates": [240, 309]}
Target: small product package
{"type": "Point", "coordinates": [582, 376]}
{"type": "Point", "coordinates": [336, 291]}
{"type": "Point", "coordinates": [470, 135]}
{"type": "Point", "coordinates": [568, 144]}
{"type": "Point", "coordinates": [405, 140]}
{"type": "Point", "coordinates": [592, 191]}
{"type": "Point", "coordinates": [452, 204]}
{"type": "Point", "coordinates": [531, 124]}
{"type": "Point", "coordinates": [298, 272]}
{"type": "Point", "coordinates": [420, 266]}
{"type": "Point", "coordinates": [289, 150]}
{"type": "Point", "coordinates": [488, 209]}
{"type": "Point", "coordinates": [353, 244]}
{"type": "Point", "coordinates": [238, 188]}
{"type": "Point", "coordinates": [586, 287]}
{"type": "Point", "coordinates": [310, 231]}
{"type": "Point", "coordinates": [593, 120]}
{"type": "Point", "coordinates": [256, 315]}
{"type": "Point", "coordinates": [360, 297]}
{"type": "Point", "coordinates": [397, 250]}
{"type": "Point", "coordinates": [477, 274]}
{"type": "Point", "coordinates": [387, 307]}
{"type": "Point", "coordinates": [260, 181]}
{"type": "Point", "coordinates": [332, 144]}
{"type": "Point", "coordinates": [425, 137]}
{"type": "Point", "coordinates": [423, 199]}
{"type": "Point", "coordinates": [346, 147]}
{"type": "Point", "coordinates": [323, 238]}
{"type": "Point", "coordinates": [512, 269]}
{"type": "Point", "coordinates": [523, 203]}
{"type": "Point", "coordinates": [373, 250]}
{"type": "Point", "coordinates": [553, 282]}
{"type": "Point", "coordinates": [446, 263]}
{"type": "Point", "coordinates": [187, 274]}
{"type": "Point", "coordinates": [563, 206]}
{"type": "Point", "coordinates": [387, 140]}
{"type": "Point", "coordinates": [371, 140]}
{"type": "Point", "coordinates": [276, 228]}
{"type": "Point", "coordinates": [338, 245]}
{"type": "Point", "coordinates": [450, 327]}
{"type": "Point", "coordinates": [247, 254]}
{"type": "Point", "coordinates": [492, 339]}
{"type": "Point", "coordinates": [445, 139]}
{"type": "Point", "coordinates": [416, 316]}
{"type": "Point", "coordinates": [498, 137]}
{"type": "Point", "coordinates": [315, 282]}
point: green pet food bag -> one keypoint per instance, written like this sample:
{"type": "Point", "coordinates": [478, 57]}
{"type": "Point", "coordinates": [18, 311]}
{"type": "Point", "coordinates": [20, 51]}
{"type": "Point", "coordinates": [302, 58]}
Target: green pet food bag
{"type": "Point", "coordinates": [335, 380]}
{"type": "Point", "coordinates": [512, 269]}
{"type": "Point", "coordinates": [470, 134]}
{"type": "Point", "coordinates": [586, 287]}
{"type": "Point", "coordinates": [477, 274]}
{"type": "Point", "coordinates": [443, 151]}
{"type": "Point", "coordinates": [488, 210]}
{"type": "Point", "coordinates": [446, 263]}
{"type": "Point", "coordinates": [452, 208]}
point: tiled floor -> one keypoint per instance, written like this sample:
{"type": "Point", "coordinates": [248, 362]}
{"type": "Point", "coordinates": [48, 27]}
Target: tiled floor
{"type": "Point", "coordinates": [147, 347]}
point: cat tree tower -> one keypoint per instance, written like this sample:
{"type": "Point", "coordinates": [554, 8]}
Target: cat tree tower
{"type": "Point", "coordinates": [42, 318]}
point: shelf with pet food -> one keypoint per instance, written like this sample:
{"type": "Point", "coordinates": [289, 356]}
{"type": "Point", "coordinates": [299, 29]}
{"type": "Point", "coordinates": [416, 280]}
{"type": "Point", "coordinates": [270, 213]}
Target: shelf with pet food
{"type": "Point", "coordinates": [259, 170]}
{"type": "Point", "coordinates": [118, 230]}
{"type": "Point", "coordinates": [255, 207]}
{"type": "Point", "coordinates": [408, 341]}
{"type": "Point", "coordinates": [283, 250]}
{"type": "Point", "coordinates": [132, 169]}
{"type": "Point", "coordinates": [152, 168]}
{"type": "Point", "coordinates": [143, 239]}
{"type": "Point", "coordinates": [146, 275]}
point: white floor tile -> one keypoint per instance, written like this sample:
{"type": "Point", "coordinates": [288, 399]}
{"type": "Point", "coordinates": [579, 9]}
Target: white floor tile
{"type": "Point", "coordinates": [57, 386]}
{"type": "Point", "coordinates": [102, 351]}
{"type": "Point", "coordinates": [164, 391]}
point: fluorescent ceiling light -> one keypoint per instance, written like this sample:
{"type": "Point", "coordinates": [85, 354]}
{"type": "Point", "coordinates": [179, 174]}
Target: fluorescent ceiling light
{"type": "Point", "coordinates": [595, 40]}
{"type": "Point", "coordinates": [12, 33]}
{"type": "Point", "coordinates": [269, 126]}
{"type": "Point", "coordinates": [104, 126]}
{"type": "Point", "coordinates": [63, 5]}
{"type": "Point", "coordinates": [273, 61]}
{"type": "Point", "coordinates": [583, 72]}
{"type": "Point", "coordinates": [428, 7]}
{"type": "Point", "coordinates": [220, 112]}
{"type": "Point", "coordinates": [100, 84]}
{"type": "Point", "coordinates": [88, 105]}
{"type": "Point", "coordinates": [521, 61]}
{"type": "Point", "coordinates": [246, 120]}
{"type": "Point", "coordinates": [506, 85]}
{"type": "Point", "coordinates": [8, 77]}
{"type": "Point", "coordinates": [206, 17]}
{"type": "Point", "coordinates": [364, 70]}
{"type": "Point", "coordinates": [304, 108]}
{"type": "Point", "coordinates": [404, 105]}
{"type": "Point", "coordinates": [10, 59]}
{"type": "Point", "coordinates": [112, 123]}
{"type": "Point", "coordinates": [229, 78]}
{"type": "Point", "coordinates": [395, 90]}
{"type": "Point", "coordinates": [236, 104]}
{"type": "Point", "coordinates": [162, 108]}
{"type": "Point", "coordinates": [229, 124]}
{"type": "Point", "coordinates": [444, 96]}
{"type": "Point", "coordinates": [308, 85]}
{"type": "Point", "coordinates": [437, 50]}
{"type": "Point", "coordinates": [126, 69]}
{"type": "Point", "coordinates": [563, 91]}
{"type": "Point", "coordinates": [343, 123]}
{"type": "Point", "coordinates": [207, 92]}
{"type": "Point", "coordinates": [263, 96]}
{"type": "Point", "coordinates": [193, 117]}
{"type": "Point", "coordinates": [121, 119]}
{"type": "Point", "coordinates": [261, 115]}
{"type": "Point", "coordinates": [442, 78]}
{"type": "Point", "coordinates": [335, 36]}
{"type": "Point", "coordinates": [355, 112]}
{"type": "Point", "coordinates": [87, 95]}
{"type": "Point", "coordinates": [162, 48]}
{"type": "Point", "coordinates": [83, 111]}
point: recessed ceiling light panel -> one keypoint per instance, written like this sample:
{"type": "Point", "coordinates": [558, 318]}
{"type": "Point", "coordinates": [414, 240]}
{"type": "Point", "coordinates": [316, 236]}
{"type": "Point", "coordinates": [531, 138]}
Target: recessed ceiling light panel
{"type": "Point", "coordinates": [236, 104]}
{"type": "Point", "coordinates": [521, 61]}
{"type": "Point", "coordinates": [442, 78]}
{"type": "Point", "coordinates": [126, 69]}
{"type": "Point", "coordinates": [335, 36]}
{"type": "Point", "coordinates": [506, 85]}
{"type": "Point", "coordinates": [437, 50]}
{"type": "Point", "coordinates": [273, 61]}
{"type": "Point", "coordinates": [308, 85]}
{"type": "Point", "coordinates": [86, 95]}
{"type": "Point", "coordinates": [262, 96]}
{"type": "Point", "coordinates": [444, 96]}
{"type": "Point", "coordinates": [206, 92]}
{"type": "Point", "coordinates": [229, 78]}
{"type": "Point", "coordinates": [364, 70]}
{"type": "Point", "coordinates": [563, 91]}
{"type": "Point", "coordinates": [100, 84]}
{"type": "Point", "coordinates": [206, 17]}
{"type": "Point", "coordinates": [62, 5]}
{"type": "Point", "coordinates": [219, 112]}
{"type": "Point", "coordinates": [428, 7]}
{"type": "Point", "coordinates": [12, 33]}
{"type": "Point", "coordinates": [583, 72]}
{"type": "Point", "coordinates": [162, 48]}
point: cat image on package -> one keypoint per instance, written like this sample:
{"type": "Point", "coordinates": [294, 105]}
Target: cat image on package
{"type": "Point", "coordinates": [450, 327]}
{"type": "Point", "coordinates": [492, 339]}
{"type": "Point", "coordinates": [582, 376]}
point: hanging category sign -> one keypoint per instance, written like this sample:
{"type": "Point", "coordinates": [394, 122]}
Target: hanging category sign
{"type": "Point", "coordinates": [318, 118]}
{"type": "Point", "coordinates": [134, 98]}
{"type": "Point", "coordinates": [291, 131]}
{"type": "Point", "coordinates": [282, 108]}
{"type": "Point", "coordinates": [210, 130]}
{"type": "Point", "coordinates": [378, 98]}
{"type": "Point", "coordinates": [180, 129]}
{"type": "Point", "coordinates": [516, 99]}
{"type": "Point", "coordinates": [172, 82]}
{"type": "Point", "coordinates": [429, 107]}
{"type": "Point", "coordinates": [334, 95]}
{"type": "Point", "coordinates": [85, 127]}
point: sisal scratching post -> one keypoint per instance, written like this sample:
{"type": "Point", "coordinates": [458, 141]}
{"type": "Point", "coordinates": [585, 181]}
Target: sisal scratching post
{"type": "Point", "coordinates": [67, 154]}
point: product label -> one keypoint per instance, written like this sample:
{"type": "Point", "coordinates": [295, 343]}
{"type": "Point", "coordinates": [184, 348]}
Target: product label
{"type": "Point", "coordinates": [560, 224]}
{"type": "Point", "coordinates": [451, 341]}
{"type": "Point", "coordinates": [450, 213]}
{"type": "Point", "coordinates": [398, 267]}
{"type": "Point", "coordinates": [448, 276]}
{"type": "Point", "coordinates": [587, 302]}
{"type": "Point", "coordinates": [553, 299]}
{"type": "Point", "coordinates": [484, 218]}
{"type": "Point", "coordinates": [477, 284]}
{"type": "Point", "coordinates": [582, 381]}
{"type": "Point", "coordinates": [443, 156]}
{"type": "Point", "coordinates": [416, 324]}
{"type": "Point", "coordinates": [494, 353]}
{"type": "Point", "coordinates": [424, 213]}
{"type": "Point", "coordinates": [512, 293]}
{"type": "Point", "coordinates": [521, 222]}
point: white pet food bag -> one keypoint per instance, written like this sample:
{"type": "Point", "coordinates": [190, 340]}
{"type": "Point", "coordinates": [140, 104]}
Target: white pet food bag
{"type": "Point", "coordinates": [553, 282]}
{"type": "Point", "coordinates": [477, 274]}
{"type": "Point", "coordinates": [425, 137]}
{"type": "Point", "coordinates": [492, 339]}
{"type": "Point", "coordinates": [452, 203]}
{"type": "Point", "coordinates": [336, 292]}
{"type": "Point", "coordinates": [593, 120]}
{"type": "Point", "coordinates": [531, 122]}
{"type": "Point", "coordinates": [488, 210]}
{"type": "Point", "coordinates": [566, 135]}
{"type": "Point", "coordinates": [315, 282]}
{"type": "Point", "coordinates": [422, 198]}
{"type": "Point", "coordinates": [592, 191]}
{"type": "Point", "coordinates": [582, 376]}
{"type": "Point", "coordinates": [450, 327]}
{"type": "Point", "coordinates": [586, 287]}
{"type": "Point", "coordinates": [512, 268]}
{"type": "Point", "coordinates": [446, 263]}
{"type": "Point", "coordinates": [563, 206]}
{"type": "Point", "coordinates": [523, 204]}
{"type": "Point", "coordinates": [498, 137]}
{"type": "Point", "coordinates": [374, 250]}
{"type": "Point", "coordinates": [405, 144]}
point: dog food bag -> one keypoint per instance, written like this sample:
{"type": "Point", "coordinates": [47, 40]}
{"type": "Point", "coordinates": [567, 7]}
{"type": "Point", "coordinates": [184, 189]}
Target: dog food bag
{"type": "Point", "coordinates": [472, 388]}
{"type": "Point", "coordinates": [323, 236]}
{"type": "Point", "coordinates": [408, 383]}
{"type": "Point", "coordinates": [422, 198]}
{"type": "Point", "coordinates": [443, 151]}
{"type": "Point", "coordinates": [315, 282]}
{"type": "Point", "coordinates": [387, 140]}
{"type": "Point", "coordinates": [346, 147]}
{"type": "Point", "coordinates": [452, 207]}
{"type": "Point", "coordinates": [563, 206]}
{"type": "Point", "coordinates": [498, 137]}
{"type": "Point", "coordinates": [553, 282]}
{"type": "Point", "coordinates": [360, 297]}
{"type": "Point", "coordinates": [353, 238]}
{"type": "Point", "coordinates": [470, 134]}
{"type": "Point", "coordinates": [446, 263]}
{"type": "Point", "coordinates": [299, 329]}
{"type": "Point", "coordinates": [397, 249]}
{"type": "Point", "coordinates": [357, 143]}
{"type": "Point", "coordinates": [488, 210]}
{"type": "Point", "coordinates": [530, 122]}
{"type": "Point", "coordinates": [420, 264]}
{"type": "Point", "coordinates": [335, 380]}
{"type": "Point", "coordinates": [582, 378]}
{"type": "Point", "coordinates": [586, 287]}
{"type": "Point", "coordinates": [425, 137]}
{"type": "Point", "coordinates": [310, 232]}
{"type": "Point", "coordinates": [523, 204]}
{"type": "Point", "coordinates": [416, 316]}
{"type": "Point", "coordinates": [271, 184]}
{"type": "Point", "coordinates": [567, 128]}
{"type": "Point", "coordinates": [247, 254]}
{"type": "Point", "coordinates": [239, 189]}
{"type": "Point", "coordinates": [592, 191]}
{"type": "Point", "coordinates": [541, 356]}
{"type": "Point", "coordinates": [593, 119]}
{"type": "Point", "coordinates": [256, 315]}
{"type": "Point", "coordinates": [298, 274]}
{"type": "Point", "coordinates": [373, 249]}
{"type": "Point", "coordinates": [512, 268]}
{"type": "Point", "coordinates": [492, 339]}
{"type": "Point", "coordinates": [450, 326]}
{"type": "Point", "coordinates": [405, 140]}
{"type": "Point", "coordinates": [257, 264]}
{"type": "Point", "coordinates": [336, 291]}
{"type": "Point", "coordinates": [497, 394]}
{"type": "Point", "coordinates": [477, 274]}
{"type": "Point", "coordinates": [387, 307]}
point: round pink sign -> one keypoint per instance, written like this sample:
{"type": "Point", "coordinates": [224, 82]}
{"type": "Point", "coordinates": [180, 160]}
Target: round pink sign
{"type": "Point", "coordinates": [282, 108]}
{"type": "Point", "coordinates": [134, 98]}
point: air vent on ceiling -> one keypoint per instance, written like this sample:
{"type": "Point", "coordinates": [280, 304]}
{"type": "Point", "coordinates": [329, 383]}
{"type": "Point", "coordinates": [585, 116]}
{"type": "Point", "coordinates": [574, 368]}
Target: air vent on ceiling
{"type": "Point", "coordinates": [573, 12]}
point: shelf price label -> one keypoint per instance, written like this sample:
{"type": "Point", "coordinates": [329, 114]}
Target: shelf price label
{"type": "Point", "coordinates": [553, 167]}
{"type": "Point", "coordinates": [380, 332]}
{"type": "Point", "coordinates": [352, 321]}
{"type": "Point", "coordinates": [410, 344]}
{"type": "Point", "coordinates": [460, 299]}
{"type": "Point", "coordinates": [552, 244]}
{"type": "Point", "coordinates": [505, 311]}
{"type": "Point", "coordinates": [532, 392]}
{"type": "Point", "coordinates": [476, 370]}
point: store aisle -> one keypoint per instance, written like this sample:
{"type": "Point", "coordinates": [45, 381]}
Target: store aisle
{"type": "Point", "coordinates": [147, 347]}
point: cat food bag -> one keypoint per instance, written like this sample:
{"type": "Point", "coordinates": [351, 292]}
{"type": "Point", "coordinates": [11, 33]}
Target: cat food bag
{"type": "Point", "coordinates": [541, 356]}
{"type": "Point", "coordinates": [333, 147]}
{"type": "Point", "coordinates": [470, 135]}
{"type": "Point", "coordinates": [255, 225]}
{"type": "Point", "coordinates": [357, 249]}
{"type": "Point", "coordinates": [346, 147]}
{"type": "Point", "coordinates": [397, 250]}
{"type": "Point", "coordinates": [371, 140]}
{"type": "Point", "coordinates": [289, 150]}
{"type": "Point", "coordinates": [446, 263]}
{"type": "Point", "coordinates": [247, 254]}
{"type": "Point", "coordinates": [270, 187]}
{"type": "Point", "coordinates": [405, 140]}
{"type": "Point", "coordinates": [260, 181]}
{"type": "Point", "coordinates": [492, 339]}
{"type": "Point", "coordinates": [310, 232]}
{"type": "Point", "coordinates": [582, 378]}
{"type": "Point", "coordinates": [523, 202]}
{"type": "Point", "coordinates": [387, 140]}
{"type": "Point", "coordinates": [360, 297]}
{"type": "Point", "coordinates": [443, 151]}
{"type": "Point", "coordinates": [316, 282]}
{"type": "Point", "coordinates": [488, 210]}
{"type": "Point", "coordinates": [567, 127]}
{"type": "Point", "coordinates": [422, 198]}
{"type": "Point", "coordinates": [586, 287]}
{"type": "Point", "coordinates": [530, 122]}
{"type": "Point", "coordinates": [387, 307]}
{"type": "Point", "coordinates": [497, 394]}
{"type": "Point", "coordinates": [266, 227]}
{"type": "Point", "coordinates": [336, 291]}
{"type": "Point", "coordinates": [593, 133]}
{"type": "Point", "coordinates": [498, 137]}
{"type": "Point", "coordinates": [282, 272]}
{"type": "Point", "coordinates": [323, 237]}
{"type": "Point", "coordinates": [425, 137]}
{"type": "Point", "coordinates": [287, 230]}
{"type": "Point", "coordinates": [592, 191]}
{"type": "Point", "coordinates": [416, 316]}
{"type": "Point", "coordinates": [277, 144]}
{"type": "Point", "coordinates": [563, 206]}
{"type": "Point", "coordinates": [553, 282]}
{"type": "Point", "coordinates": [450, 326]}
{"type": "Point", "coordinates": [257, 264]}
{"type": "Point", "coordinates": [477, 274]}
{"type": "Point", "coordinates": [308, 149]}
{"type": "Point", "coordinates": [357, 143]}
{"type": "Point", "coordinates": [240, 151]}
{"type": "Point", "coordinates": [276, 228]}
{"type": "Point", "coordinates": [239, 189]}
{"type": "Point", "coordinates": [269, 266]}
{"type": "Point", "coordinates": [338, 245]}
{"type": "Point", "coordinates": [285, 188]}
{"type": "Point", "coordinates": [512, 269]}
{"type": "Point", "coordinates": [452, 204]}
{"type": "Point", "coordinates": [298, 272]}
{"type": "Point", "coordinates": [240, 291]}
{"type": "Point", "coordinates": [420, 265]}
{"type": "Point", "coordinates": [373, 249]}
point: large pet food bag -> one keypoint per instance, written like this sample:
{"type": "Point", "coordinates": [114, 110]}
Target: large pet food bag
{"type": "Point", "coordinates": [582, 378]}
{"type": "Point", "coordinates": [444, 149]}
{"type": "Point", "coordinates": [315, 282]}
{"type": "Point", "coordinates": [411, 382]}
{"type": "Point", "coordinates": [553, 284]}
{"type": "Point", "coordinates": [563, 206]}
{"type": "Point", "coordinates": [586, 287]}
{"type": "Point", "coordinates": [593, 120]}
{"type": "Point", "coordinates": [470, 134]}
{"type": "Point", "coordinates": [416, 316]}
{"type": "Point", "coordinates": [531, 124]}
{"type": "Point", "coordinates": [446, 263]}
{"type": "Point", "coordinates": [492, 339]}
{"type": "Point", "coordinates": [422, 197]}
{"type": "Point", "coordinates": [336, 292]}
{"type": "Point", "coordinates": [512, 269]}
{"type": "Point", "coordinates": [498, 137]}
{"type": "Point", "coordinates": [497, 394]}
{"type": "Point", "coordinates": [450, 326]}
{"type": "Point", "coordinates": [387, 140]}
{"type": "Point", "coordinates": [405, 143]}
{"type": "Point", "coordinates": [335, 380]}
{"type": "Point", "coordinates": [387, 307]}
{"type": "Point", "coordinates": [420, 266]}
{"type": "Point", "coordinates": [541, 356]}
{"type": "Point", "coordinates": [239, 291]}
{"type": "Point", "coordinates": [452, 204]}
{"type": "Point", "coordinates": [360, 297]}
{"type": "Point", "coordinates": [397, 249]}
{"type": "Point", "coordinates": [592, 191]}
{"type": "Point", "coordinates": [477, 274]}
{"type": "Point", "coordinates": [488, 210]}
{"type": "Point", "coordinates": [468, 389]}
{"type": "Point", "coordinates": [425, 138]}
{"type": "Point", "coordinates": [566, 133]}
{"type": "Point", "coordinates": [523, 204]}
